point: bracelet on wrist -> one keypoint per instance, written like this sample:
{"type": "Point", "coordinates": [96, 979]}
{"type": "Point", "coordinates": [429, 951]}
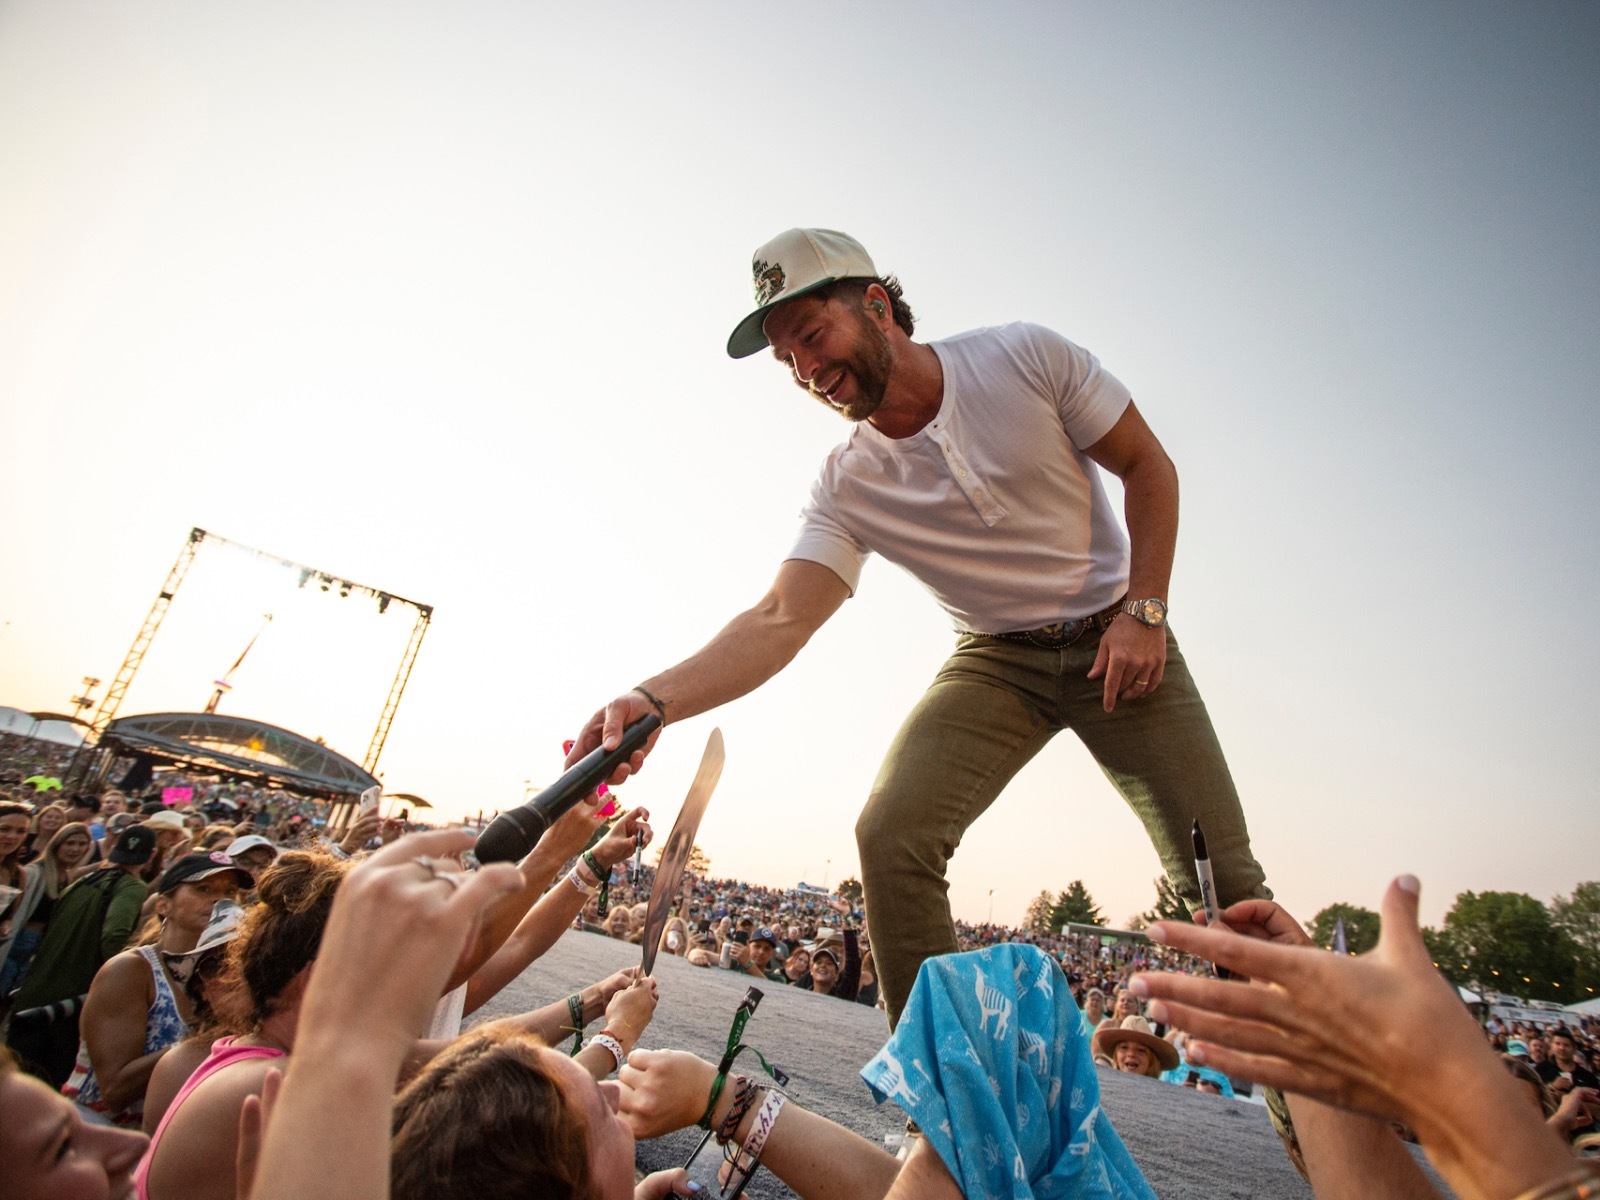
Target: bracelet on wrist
{"type": "Point", "coordinates": [743, 1096]}
{"type": "Point", "coordinates": [711, 1105]}
{"type": "Point", "coordinates": [762, 1128]}
{"type": "Point", "coordinates": [659, 706]}
{"type": "Point", "coordinates": [576, 881]}
{"type": "Point", "coordinates": [610, 1044]}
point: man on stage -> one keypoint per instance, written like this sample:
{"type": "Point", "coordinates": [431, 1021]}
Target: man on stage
{"type": "Point", "coordinates": [972, 464]}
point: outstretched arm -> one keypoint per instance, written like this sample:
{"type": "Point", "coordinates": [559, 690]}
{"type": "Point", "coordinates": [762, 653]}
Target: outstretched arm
{"type": "Point", "coordinates": [750, 649]}
{"type": "Point", "coordinates": [552, 915]}
{"type": "Point", "coordinates": [1382, 1034]}
{"type": "Point", "coordinates": [663, 1090]}
{"type": "Point", "coordinates": [566, 838]}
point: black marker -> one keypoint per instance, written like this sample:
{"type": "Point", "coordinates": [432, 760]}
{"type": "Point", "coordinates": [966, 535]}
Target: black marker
{"type": "Point", "coordinates": [1208, 889]}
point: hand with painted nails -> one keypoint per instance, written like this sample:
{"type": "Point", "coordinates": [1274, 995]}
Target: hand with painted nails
{"type": "Point", "coordinates": [658, 1185]}
{"type": "Point", "coordinates": [1382, 1033]}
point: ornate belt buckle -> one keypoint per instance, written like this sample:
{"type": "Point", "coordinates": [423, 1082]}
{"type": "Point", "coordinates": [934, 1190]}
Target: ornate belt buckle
{"type": "Point", "coordinates": [1057, 634]}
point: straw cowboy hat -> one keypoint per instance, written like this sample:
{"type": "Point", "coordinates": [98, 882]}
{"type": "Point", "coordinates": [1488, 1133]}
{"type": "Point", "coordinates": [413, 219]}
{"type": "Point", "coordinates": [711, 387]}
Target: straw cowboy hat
{"type": "Point", "coordinates": [1164, 1055]}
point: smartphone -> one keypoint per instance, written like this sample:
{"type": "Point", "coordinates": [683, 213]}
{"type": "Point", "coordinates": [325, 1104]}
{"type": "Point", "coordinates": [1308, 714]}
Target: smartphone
{"type": "Point", "coordinates": [719, 1179]}
{"type": "Point", "coordinates": [742, 936]}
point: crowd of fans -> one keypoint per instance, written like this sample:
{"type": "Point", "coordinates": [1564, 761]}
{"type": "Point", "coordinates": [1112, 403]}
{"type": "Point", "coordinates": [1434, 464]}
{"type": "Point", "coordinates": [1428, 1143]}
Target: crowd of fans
{"type": "Point", "coordinates": [157, 977]}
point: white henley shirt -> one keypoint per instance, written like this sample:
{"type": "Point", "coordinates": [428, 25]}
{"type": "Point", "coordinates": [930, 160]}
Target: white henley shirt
{"type": "Point", "coordinates": [992, 506]}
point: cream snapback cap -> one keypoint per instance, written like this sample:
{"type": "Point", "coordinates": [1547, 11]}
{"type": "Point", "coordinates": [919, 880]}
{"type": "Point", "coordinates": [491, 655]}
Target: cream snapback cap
{"type": "Point", "coordinates": [794, 263]}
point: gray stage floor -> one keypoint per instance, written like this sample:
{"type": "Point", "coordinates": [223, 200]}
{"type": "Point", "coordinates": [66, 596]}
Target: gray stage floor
{"type": "Point", "coordinates": [1189, 1145]}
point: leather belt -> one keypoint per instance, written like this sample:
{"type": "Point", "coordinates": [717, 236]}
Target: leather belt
{"type": "Point", "coordinates": [1061, 633]}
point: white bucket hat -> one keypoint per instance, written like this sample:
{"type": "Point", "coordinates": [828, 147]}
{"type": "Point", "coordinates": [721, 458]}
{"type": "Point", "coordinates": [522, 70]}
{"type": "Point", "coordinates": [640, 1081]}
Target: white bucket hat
{"type": "Point", "coordinates": [794, 263]}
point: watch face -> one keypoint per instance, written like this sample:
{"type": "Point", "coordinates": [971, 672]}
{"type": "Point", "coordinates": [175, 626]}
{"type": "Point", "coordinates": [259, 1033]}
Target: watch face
{"type": "Point", "coordinates": [1152, 612]}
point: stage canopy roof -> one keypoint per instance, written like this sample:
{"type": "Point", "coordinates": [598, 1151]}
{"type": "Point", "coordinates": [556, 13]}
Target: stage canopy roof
{"type": "Point", "coordinates": [239, 747]}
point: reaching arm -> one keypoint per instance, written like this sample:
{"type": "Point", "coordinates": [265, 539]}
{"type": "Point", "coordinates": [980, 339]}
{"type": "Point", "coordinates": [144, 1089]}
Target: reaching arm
{"type": "Point", "coordinates": [394, 928]}
{"type": "Point", "coordinates": [1130, 651]}
{"type": "Point", "coordinates": [552, 915]}
{"type": "Point", "coordinates": [566, 838]}
{"type": "Point", "coordinates": [1382, 1034]}
{"type": "Point", "coordinates": [663, 1090]}
{"type": "Point", "coordinates": [750, 649]}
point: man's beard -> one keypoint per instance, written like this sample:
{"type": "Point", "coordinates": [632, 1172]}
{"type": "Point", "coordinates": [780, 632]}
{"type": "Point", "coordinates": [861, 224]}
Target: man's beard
{"type": "Point", "coordinates": [869, 365]}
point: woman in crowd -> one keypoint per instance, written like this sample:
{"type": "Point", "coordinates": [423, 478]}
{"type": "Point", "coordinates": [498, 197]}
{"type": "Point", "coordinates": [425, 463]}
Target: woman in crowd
{"type": "Point", "coordinates": [798, 965]}
{"type": "Point", "coordinates": [215, 1008]}
{"type": "Point", "coordinates": [47, 822]}
{"type": "Point", "coordinates": [271, 960]}
{"type": "Point", "coordinates": [49, 1152]}
{"type": "Point", "coordinates": [675, 938]}
{"type": "Point", "coordinates": [14, 910]}
{"type": "Point", "coordinates": [135, 1012]}
{"type": "Point", "coordinates": [47, 878]}
{"type": "Point", "coordinates": [619, 924]}
{"type": "Point", "coordinates": [1094, 1009]}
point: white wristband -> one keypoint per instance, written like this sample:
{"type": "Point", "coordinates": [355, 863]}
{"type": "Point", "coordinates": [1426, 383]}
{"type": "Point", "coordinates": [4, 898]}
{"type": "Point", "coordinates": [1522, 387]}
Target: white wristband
{"type": "Point", "coordinates": [577, 881]}
{"type": "Point", "coordinates": [611, 1045]}
{"type": "Point", "coordinates": [768, 1113]}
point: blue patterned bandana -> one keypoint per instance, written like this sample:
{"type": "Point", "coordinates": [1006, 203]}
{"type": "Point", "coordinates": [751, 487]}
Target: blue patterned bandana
{"type": "Point", "coordinates": [991, 1060]}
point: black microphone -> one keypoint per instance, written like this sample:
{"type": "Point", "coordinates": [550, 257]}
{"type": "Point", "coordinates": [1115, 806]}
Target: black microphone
{"type": "Point", "coordinates": [512, 834]}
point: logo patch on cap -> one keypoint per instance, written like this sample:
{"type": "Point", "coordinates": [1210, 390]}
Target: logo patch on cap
{"type": "Point", "coordinates": [769, 280]}
{"type": "Point", "coordinates": [217, 856]}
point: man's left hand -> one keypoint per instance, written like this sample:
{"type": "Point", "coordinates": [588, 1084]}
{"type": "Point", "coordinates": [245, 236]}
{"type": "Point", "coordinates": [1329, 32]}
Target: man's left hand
{"type": "Point", "coordinates": [1132, 657]}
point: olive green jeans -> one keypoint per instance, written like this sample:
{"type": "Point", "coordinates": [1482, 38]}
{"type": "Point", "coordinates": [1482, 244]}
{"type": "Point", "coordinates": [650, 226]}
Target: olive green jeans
{"type": "Point", "coordinates": [991, 708]}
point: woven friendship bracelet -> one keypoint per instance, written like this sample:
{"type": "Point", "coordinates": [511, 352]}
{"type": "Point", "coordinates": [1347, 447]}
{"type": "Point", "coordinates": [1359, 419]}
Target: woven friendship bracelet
{"type": "Point", "coordinates": [743, 1096]}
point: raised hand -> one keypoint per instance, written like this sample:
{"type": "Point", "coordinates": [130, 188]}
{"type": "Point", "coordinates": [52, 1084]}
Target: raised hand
{"type": "Point", "coordinates": [605, 728]}
{"type": "Point", "coordinates": [619, 845]}
{"type": "Point", "coordinates": [1382, 1033]}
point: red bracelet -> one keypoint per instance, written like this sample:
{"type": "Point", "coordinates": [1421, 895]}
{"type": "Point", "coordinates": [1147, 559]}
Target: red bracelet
{"type": "Point", "coordinates": [743, 1097]}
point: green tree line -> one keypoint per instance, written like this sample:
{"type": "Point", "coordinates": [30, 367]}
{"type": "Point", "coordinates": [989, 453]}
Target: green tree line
{"type": "Point", "coordinates": [1495, 941]}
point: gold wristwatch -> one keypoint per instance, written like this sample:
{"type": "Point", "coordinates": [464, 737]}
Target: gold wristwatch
{"type": "Point", "coordinates": [1150, 612]}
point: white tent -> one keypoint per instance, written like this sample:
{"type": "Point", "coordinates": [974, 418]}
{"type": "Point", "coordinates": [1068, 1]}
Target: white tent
{"type": "Point", "coordinates": [14, 720]}
{"type": "Point", "coordinates": [1585, 1008]}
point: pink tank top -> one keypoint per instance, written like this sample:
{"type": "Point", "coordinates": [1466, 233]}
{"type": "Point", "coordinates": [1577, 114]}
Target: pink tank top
{"type": "Point", "coordinates": [223, 1053]}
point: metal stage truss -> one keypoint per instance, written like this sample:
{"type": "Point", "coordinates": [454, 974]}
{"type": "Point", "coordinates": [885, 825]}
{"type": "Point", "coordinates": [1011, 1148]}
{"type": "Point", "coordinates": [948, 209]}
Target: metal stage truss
{"type": "Point", "coordinates": [89, 766]}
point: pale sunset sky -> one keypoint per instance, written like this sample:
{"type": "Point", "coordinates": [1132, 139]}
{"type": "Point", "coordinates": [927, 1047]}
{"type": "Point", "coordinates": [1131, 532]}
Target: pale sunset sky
{"type": "Point", "coordinates": [434, 297]}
